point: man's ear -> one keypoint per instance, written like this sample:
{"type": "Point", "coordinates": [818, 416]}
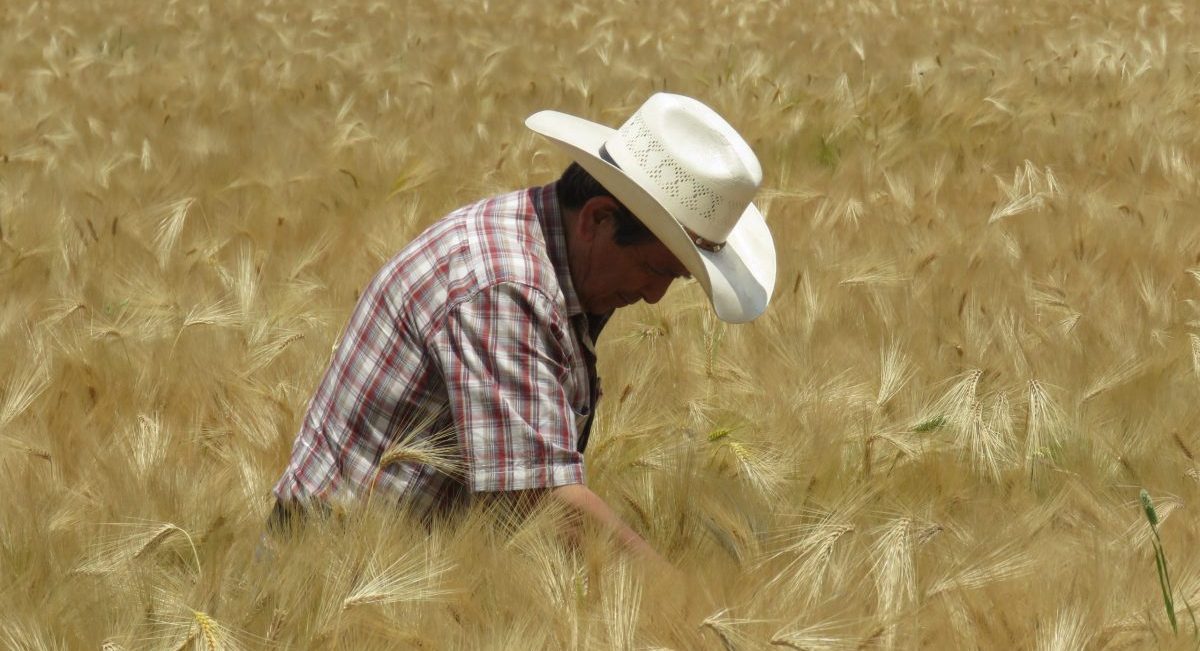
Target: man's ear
{"type": "Point", "coordinates": [594, 213]}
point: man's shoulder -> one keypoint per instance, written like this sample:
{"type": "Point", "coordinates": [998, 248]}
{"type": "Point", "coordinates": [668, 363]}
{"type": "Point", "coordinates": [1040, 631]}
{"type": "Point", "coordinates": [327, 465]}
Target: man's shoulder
{"type": "Point", "coordinates": [492, 241]}
{"type": "Point", "coordinates": [505, 240]}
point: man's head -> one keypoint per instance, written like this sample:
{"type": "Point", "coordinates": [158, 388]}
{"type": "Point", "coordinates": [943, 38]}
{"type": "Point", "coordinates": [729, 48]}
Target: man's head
{"type": "Point", "coordinates": [614, 259]}
{"type": "Point", "coordinates": [690, 178]}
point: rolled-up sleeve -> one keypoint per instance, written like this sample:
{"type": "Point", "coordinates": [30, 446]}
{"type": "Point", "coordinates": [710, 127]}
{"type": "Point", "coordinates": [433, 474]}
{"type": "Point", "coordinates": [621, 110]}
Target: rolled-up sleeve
{"type": "Point", "coordinates": [504, 365]}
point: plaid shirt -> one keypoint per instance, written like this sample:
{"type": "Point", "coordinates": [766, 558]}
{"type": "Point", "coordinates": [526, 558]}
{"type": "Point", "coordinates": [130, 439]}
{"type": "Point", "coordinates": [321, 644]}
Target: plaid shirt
{"type": "Point", "coordinates": [472, 341]}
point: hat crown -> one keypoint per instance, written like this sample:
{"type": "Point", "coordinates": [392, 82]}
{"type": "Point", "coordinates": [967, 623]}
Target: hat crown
{"type": "Point", "coordinates": [691, 160]}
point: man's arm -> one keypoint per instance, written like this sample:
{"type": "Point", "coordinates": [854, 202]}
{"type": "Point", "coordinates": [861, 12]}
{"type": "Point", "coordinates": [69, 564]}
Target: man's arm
{"type": "Point", "coordinates": [582, 506]}
{"type": "Point", "coordinates": [503, 366]}
{"type": "Point", "coordinates": [580, 499]}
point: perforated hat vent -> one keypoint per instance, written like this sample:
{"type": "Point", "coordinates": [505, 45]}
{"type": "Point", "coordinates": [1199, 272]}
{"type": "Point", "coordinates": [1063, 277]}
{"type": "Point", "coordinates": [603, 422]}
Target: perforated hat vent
{"type": "Point", "coordinates": [681, 185]}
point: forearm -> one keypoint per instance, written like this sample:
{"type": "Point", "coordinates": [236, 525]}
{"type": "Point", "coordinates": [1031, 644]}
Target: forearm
{"type": "Point", "coordinates": [582, 500]}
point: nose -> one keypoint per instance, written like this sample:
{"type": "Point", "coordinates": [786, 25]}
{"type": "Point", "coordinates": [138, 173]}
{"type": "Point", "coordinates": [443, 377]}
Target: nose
{"type": "Point", "coordinates": [654, 291]}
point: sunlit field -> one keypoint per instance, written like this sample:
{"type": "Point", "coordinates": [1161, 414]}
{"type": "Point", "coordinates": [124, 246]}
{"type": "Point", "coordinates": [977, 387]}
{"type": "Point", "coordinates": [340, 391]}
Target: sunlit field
{"type": "Point", "coordinates": [983, 344]}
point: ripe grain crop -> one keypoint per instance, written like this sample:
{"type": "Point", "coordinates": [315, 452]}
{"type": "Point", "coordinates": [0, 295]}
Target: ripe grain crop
{"type": "Point", "coordinates": [983, 344]}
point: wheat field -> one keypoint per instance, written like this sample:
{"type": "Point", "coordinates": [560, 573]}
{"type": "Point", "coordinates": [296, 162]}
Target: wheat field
{"type": "Point", "coordinates": [984, 340]}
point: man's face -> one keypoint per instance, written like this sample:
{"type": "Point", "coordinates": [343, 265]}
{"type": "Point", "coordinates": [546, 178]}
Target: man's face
{"type": "Point", "coordinates": [607, 275]}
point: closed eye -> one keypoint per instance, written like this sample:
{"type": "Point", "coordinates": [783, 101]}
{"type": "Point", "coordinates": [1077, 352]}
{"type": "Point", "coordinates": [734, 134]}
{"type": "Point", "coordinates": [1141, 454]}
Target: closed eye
{"type": "Point", "coordinates": [667, 273]}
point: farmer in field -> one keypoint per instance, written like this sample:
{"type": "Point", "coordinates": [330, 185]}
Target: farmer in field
{"type": "Point", "coordinates": [479, 336]}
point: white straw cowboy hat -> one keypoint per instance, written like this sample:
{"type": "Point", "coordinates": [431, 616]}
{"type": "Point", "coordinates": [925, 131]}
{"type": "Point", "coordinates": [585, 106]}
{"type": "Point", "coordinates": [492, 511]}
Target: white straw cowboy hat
{"type": "Point", "coordinates": [686, 174]}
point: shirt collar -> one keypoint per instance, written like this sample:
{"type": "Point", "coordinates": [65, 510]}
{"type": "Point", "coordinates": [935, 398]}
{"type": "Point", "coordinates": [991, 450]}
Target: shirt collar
{"type": "Point", "coordinates": [545, 202]}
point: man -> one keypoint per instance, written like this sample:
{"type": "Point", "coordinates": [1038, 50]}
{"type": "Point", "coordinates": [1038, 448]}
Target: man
{"type": "Point", "coordinates": [484, 326]}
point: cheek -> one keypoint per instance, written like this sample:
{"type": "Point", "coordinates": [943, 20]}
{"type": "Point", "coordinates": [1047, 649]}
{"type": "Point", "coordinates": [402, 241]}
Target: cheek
{"type": "Point", "coordinates": [652, 280]}
{"type": "Point", "coordinates": [614, 273]}
{"type": "Point", "coordinates": [604, 283]}
{"type": "Point", "coordinates": [637, 278]}
{"type": "Point", "coordinates": [620, 274]}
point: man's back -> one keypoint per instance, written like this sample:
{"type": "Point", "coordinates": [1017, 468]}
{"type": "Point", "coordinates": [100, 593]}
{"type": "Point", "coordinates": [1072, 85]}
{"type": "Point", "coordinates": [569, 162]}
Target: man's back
{"type": "Point", "coordinates": [464, 339]}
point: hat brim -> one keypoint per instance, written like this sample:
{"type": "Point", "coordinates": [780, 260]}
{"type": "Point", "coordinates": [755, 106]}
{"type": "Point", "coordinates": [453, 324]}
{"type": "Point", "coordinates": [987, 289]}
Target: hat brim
{"type": "Point", "coordinates": [738, 279]}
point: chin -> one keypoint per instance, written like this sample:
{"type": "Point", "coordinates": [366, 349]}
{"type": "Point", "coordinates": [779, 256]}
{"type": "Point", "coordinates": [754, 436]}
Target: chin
{"type": "Point", "coordinates": [603, 307]}
{"type": "Point", "coordinates": [607, 306]}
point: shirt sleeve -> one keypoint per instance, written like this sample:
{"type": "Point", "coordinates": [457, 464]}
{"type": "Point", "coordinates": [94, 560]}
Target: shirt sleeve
{"type": "Point", "coordinates": [504, 366]}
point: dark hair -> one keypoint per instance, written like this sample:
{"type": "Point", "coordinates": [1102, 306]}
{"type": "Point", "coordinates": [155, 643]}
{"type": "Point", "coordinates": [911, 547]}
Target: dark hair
{"type": "Point", "coordinates": [576, 186]}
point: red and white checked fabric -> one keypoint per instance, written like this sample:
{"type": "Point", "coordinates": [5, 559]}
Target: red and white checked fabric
{"type": "Point", "coordinates": [472, 338]}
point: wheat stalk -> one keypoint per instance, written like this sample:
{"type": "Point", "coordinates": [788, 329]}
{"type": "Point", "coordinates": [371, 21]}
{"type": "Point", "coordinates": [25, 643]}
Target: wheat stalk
{"type": "Point", "coordinates": [142, 541]}
{"type": "Point", "coordinates": [411, 577]}
{"type": "Point", "coordinates": [728, 630]}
